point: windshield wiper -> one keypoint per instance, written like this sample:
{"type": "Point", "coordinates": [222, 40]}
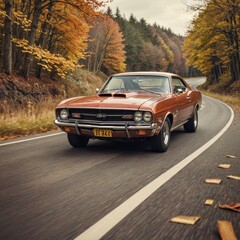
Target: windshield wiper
{"type": "Point", "coordinates": [146, 90]}
{"type": "Point", "coordinates": [116, 90]}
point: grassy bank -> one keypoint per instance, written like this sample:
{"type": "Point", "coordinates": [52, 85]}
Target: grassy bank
{"type": "Point", "coordinates": [224, 90]}
{"type": "Point", "coordinates": [22, 115]}
{"type": "Point", "coordinates": [34, 118]}
{"type": "Point", "coordinates": [233, 101]}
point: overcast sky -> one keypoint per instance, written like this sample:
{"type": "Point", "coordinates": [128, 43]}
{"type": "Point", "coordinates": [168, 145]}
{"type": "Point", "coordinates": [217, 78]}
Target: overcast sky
{"type": "Point", "coordinates": [171, 14]}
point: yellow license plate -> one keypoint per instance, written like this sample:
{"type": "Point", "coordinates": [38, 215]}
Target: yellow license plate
{"type": "Point", "coordinates": [102, 132]}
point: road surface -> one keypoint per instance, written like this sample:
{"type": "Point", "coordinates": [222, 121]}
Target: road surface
{"type": "Point", "coordinates": [49, 190]}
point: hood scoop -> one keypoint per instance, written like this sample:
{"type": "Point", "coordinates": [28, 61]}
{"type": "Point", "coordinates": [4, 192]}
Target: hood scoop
{"type": "Point", "coordinates": [105, 95]}
{"type": "Point", "coordinates": [112, 95]}
{"type": "Point", "coordinates": [119, 95]}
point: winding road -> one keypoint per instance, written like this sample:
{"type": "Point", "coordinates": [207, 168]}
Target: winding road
{"type": "Point", "coordinates": [112, 190]}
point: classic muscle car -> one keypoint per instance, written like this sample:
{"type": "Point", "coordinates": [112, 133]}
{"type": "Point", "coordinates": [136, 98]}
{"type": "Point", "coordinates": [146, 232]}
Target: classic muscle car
{"type": "Point", "coordinates": [131, 106]}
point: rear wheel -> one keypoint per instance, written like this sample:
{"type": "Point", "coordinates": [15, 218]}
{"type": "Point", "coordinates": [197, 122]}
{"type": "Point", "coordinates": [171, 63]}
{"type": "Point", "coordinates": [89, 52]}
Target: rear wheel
{"type": "Point", "coordinates": [160, 142]}
{"type": "Point", "coordinates": [77, 140]}
{"type": "Point", "coordinates": [192, 124]}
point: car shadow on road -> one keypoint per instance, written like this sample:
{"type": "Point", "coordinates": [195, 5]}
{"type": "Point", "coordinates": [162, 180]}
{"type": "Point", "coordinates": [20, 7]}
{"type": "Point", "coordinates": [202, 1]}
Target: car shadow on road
{"type": "Point", "coordinates": [105, 146]}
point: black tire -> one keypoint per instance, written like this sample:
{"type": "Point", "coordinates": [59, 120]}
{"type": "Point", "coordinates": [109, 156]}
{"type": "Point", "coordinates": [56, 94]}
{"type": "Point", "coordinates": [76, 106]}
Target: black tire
{"type": "Point", "coordinates": [77, 141]}
{"type": "Point", "coordinates": [160, 142]}
{"type": "Point", "coordinates": [192, 124]}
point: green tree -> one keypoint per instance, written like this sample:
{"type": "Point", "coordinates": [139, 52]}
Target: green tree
{"type": "Point", "coordinates": [133, 46]}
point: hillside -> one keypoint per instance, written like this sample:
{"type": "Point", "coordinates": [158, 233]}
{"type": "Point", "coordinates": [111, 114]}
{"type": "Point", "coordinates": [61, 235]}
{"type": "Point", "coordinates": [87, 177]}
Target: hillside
{"type": "Point", "coordinates": [16, 91]}
{"type": "Point", "coordinates": [28, 106]}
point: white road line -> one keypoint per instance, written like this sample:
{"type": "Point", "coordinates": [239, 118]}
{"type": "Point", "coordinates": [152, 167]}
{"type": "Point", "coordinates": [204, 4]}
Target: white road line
{"type": "Point", "coordinates": [30, 139]}
{"type": "Point", "coordinates": [100, 228]}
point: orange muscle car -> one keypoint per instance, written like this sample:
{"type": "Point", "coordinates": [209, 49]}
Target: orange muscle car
{"type": "Point", "coordinates": [130, 106]}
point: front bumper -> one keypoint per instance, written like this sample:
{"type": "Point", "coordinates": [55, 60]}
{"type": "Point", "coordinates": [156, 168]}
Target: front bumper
{"type": "Point", "coordinates": [119, 131]}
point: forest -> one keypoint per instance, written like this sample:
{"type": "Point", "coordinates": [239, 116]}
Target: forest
{"type": "Point", "coordinates": [145, 47]}
{"type": "Point", "coordinates": [56, 36]}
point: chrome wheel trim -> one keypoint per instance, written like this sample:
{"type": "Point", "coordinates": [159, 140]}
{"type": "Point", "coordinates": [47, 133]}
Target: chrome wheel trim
{"type": "Point", "coordinates": [166, 133]}
{"type": "Point", "coordinates": [195, 119]}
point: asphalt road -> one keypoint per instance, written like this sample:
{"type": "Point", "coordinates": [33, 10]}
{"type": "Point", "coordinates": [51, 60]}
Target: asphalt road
{"type": "Point", "coordinates": [49, 190]}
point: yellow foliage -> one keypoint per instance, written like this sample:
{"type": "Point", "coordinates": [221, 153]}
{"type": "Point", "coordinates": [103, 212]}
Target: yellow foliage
{"type": "Point", "coordinates": [46, 59]}
{"type": "Point", "coordinates": [209, 35]}
{"type": "Point", "coordinates": [21, 19]}
{"type": "Point", "coordinates": [168, 53]}
{"type": "Point", "coordinates": [64, 26]}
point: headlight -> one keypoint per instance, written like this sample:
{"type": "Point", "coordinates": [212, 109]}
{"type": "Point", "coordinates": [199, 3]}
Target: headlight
{"type": "Point", "coordinates": [64, 114]}
{"type": "Point", "coordinates": [147, 116]}
{"type": "Point", "coordinates": [138, 116]}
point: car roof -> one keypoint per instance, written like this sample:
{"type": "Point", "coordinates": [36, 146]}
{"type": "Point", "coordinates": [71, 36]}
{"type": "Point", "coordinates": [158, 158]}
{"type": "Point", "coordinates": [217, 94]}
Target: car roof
{"type": "Point", "coordinates": [167, 74]}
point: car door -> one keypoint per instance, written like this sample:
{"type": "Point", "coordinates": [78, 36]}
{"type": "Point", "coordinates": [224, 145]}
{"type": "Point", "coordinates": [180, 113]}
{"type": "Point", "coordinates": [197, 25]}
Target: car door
{"type": "Point", "coordinates": [184, 99]}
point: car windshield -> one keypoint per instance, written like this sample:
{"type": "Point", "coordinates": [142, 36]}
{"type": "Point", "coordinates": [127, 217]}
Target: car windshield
{"type": "Point", "coordinates": [155, 84]}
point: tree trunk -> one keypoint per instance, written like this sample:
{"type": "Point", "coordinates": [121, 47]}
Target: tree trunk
{"type": "Point", "coordinates": [18, 31]}
{"type": "Point", "coordinates": [233, 42]}
{"type": "Point", "coordinates": [7, 54]}
{"type": "Point", "coordinates": [32, 36]}
{"type": "Point", "coordinates": [43, 37]}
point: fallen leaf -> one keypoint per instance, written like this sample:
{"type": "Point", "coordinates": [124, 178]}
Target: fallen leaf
{"type": "Point", "coordinates": [226, 230]}
{"type": "Point", "coordinates": [209, 202]}
{"type": "Point", "coordinates": [224, 165]}
{"type": "Point", "coordinates": [231, 156]}
{"type": "Point", "coordinates": [232, 206]}
{"type": "Point", "coordinates": [233, 177]}
{"type": "Point", "coordinates": [191, 220]}
{"type": "Point", "coordinates": [213, 181]}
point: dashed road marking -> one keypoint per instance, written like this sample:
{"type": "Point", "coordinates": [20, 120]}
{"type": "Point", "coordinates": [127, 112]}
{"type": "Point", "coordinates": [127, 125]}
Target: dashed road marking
{"type": "Point", "coordinates": [30, 139]}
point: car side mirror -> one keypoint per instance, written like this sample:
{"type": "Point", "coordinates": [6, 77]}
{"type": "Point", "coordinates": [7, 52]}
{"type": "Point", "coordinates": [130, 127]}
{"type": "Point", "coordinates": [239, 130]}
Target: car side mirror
{"type": "Point", "coordinates": [97, 90]}
{"type": "Point", "coordinates": [178, 90]}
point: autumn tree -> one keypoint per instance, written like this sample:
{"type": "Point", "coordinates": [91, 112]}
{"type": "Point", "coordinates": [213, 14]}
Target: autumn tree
{"type": "Point", "coordinates": [168, 54]}
{"type": "Point", "coordinates": [212, 43]}
{"type": "Point", "coordinates": [114, 59]}
{"type": "Point", "coordinates": [50, 34]}
{"type": "Point", "coordinates": [151, 57]}
{"type": "Point", "coordinates": [106, 48]}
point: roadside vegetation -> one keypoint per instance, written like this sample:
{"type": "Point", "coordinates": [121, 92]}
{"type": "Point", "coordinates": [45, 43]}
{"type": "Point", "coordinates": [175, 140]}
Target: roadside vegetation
{"type": "Point", "coordinates": [35, 118]}
{"type": "Point", "coordinates": [223, 92]}
{"type": "Point", "coordinates": [35, 112]}
{"type": "Point", "coordinates": [231, 100]}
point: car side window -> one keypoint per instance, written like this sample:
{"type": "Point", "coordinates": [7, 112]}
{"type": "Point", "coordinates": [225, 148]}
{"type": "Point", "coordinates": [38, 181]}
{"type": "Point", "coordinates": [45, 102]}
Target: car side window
{"type": "Point", "coordinates": [178, 85]}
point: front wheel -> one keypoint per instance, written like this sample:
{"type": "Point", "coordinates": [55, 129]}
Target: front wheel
{"type": "Point", "coordinates": [77, 140]}
{"type": "Point", "coordinates": [160, 142]}
{"type": "Point", "coordinates": [192, 124]}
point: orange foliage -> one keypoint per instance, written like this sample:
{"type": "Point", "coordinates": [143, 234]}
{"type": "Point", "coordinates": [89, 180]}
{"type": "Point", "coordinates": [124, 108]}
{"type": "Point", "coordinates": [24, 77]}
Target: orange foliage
{"type": "Point", "coordinates": [61, 34]}
{"type": "Point", "coordinates": [106, 48]}
{"type": "Point", "coordinates": [115, 56]}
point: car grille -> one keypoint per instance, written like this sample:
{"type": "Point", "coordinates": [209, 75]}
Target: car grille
{"type": "Point", "coordinates": [102, 114]}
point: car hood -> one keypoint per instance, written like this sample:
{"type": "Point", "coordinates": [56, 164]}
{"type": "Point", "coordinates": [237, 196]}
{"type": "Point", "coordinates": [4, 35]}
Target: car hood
{"type": "Point", "coordinates": [123, 100]}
